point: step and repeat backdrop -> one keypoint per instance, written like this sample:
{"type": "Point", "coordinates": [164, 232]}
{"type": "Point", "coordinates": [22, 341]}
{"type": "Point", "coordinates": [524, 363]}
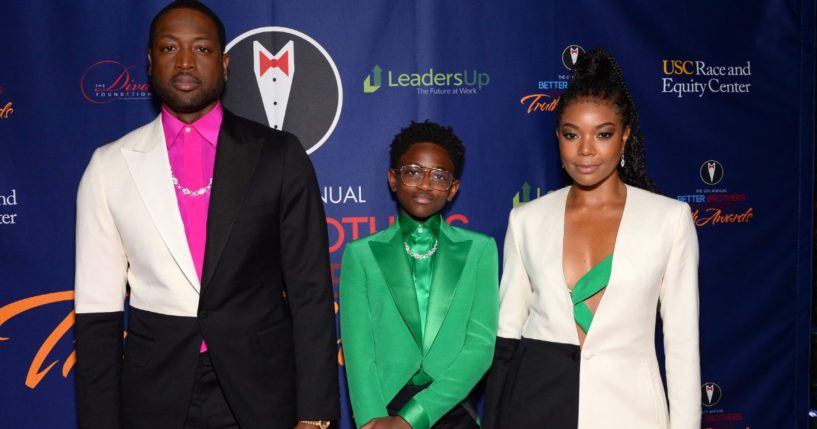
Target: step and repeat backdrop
{"type": "Point", "coordinates": [725, 90]}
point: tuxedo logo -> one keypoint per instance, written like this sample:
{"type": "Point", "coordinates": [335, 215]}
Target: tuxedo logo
{"type": "Point", "coordinates": [571, 55]}
{"type": "Point", "coordinates": [711, 172]}
{"type": "Point", "coordinates": [274, 76]}
{"type": "Point", "coordinates": [283, 78]}
{"type": "Point", "coordinates": [710, 394]}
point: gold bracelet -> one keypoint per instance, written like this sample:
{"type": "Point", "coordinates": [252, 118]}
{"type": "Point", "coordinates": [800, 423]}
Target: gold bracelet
{"type": "Point", "coordinates": [323, 424]}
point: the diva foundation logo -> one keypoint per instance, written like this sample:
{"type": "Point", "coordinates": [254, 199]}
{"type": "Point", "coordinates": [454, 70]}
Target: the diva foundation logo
{"type": "Point", "coordinates": [107, 81]}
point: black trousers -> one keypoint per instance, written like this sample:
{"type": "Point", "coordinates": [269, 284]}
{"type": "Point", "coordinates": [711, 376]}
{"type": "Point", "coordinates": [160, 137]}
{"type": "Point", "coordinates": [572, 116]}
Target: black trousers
{"type": "Point", "coordinates": [457, 418]}
{"type": "Point", "coordinates": [533, 384]}
{"type": "Point", "coordinates": [208, 407]}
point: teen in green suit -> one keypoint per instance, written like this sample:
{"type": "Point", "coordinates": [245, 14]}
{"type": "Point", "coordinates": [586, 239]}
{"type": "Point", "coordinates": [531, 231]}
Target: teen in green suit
{"type": "Point", "coordinates": [419, 300]}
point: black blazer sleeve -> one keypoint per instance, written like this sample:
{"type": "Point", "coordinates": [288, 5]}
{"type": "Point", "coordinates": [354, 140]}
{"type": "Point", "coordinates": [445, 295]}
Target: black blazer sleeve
{"type": "Point", "coordinates": [308, 284]}
{"type": "Point", "coordinates": [98, 343]}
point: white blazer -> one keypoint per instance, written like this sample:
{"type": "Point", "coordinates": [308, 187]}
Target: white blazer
{"type": "Point", "coordinates": [655, 267]}
{"type": "Point", "coordinates": [129, 231]}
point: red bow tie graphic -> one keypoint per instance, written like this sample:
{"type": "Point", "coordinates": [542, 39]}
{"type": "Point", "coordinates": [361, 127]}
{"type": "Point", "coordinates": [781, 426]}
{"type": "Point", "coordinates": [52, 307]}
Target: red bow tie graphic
{"type": "Point", "coordinates": [271, 63]}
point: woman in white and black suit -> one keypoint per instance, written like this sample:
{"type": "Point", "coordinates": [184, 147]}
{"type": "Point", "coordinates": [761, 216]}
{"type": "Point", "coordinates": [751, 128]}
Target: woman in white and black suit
{"type": "Point", "coordinates": [586, 270]}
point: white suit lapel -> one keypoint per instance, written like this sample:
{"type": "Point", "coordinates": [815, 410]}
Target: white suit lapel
{"type": "Point", "coordinates": [622, 252]}
{"type": "Point", "coordinates": [556, 263]}
{"type": "Point", "coordinates": [149, 166]}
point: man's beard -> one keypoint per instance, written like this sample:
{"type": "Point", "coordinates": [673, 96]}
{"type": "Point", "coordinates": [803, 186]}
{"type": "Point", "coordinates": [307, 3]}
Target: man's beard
{"type": "Point", "coordinates": [187, 102]}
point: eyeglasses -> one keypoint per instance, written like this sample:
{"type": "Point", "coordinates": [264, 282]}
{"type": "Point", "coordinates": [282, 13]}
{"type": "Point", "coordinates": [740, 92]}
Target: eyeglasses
{"type": "Point", "coordinates": [413, 175]}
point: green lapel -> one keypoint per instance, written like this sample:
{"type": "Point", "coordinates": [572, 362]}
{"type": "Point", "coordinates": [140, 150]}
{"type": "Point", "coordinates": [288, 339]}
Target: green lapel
{"type": "Point", "coordinates": [390, 256]}
{"type": "Point", "coordinates": [448, 265]}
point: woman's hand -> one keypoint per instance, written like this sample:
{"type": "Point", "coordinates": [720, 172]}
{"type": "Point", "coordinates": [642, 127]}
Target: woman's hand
{"type": "Point", "coordinates": [392, 422]}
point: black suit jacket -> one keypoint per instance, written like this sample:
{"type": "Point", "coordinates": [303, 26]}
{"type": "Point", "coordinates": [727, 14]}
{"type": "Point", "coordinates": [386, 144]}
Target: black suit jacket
{"type": "Point", "coordinates": [265, 306]}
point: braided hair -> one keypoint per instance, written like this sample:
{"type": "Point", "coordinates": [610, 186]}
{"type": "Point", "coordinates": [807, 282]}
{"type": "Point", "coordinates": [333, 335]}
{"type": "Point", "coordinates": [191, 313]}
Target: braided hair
{"type": "Point", "coordinates": [598, 75]}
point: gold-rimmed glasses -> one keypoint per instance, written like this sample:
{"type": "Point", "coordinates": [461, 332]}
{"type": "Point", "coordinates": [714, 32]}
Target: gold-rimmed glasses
{"type": "Point", "coordinates": [413, 175]}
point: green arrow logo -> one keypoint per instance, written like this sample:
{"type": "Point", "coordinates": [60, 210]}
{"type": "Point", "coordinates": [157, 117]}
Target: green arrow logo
{"type": "Point", "coordinates": [524, 195]}
{"type": "Point", "coordinates": [368, 87]}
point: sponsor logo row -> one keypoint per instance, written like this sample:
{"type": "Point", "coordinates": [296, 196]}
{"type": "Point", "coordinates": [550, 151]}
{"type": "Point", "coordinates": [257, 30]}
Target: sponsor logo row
{"type": "Point", "coordinates": [262, 85]}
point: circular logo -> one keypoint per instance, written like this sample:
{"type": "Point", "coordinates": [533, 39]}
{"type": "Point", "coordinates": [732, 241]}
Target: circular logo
{"type": "Point", "coordinates": [711, 172]}
{"type": "Point", "coordinates": [710, 394]}
{"type": "Point", "coordinates": [284, 79]}
{"type": "Point", "coordinates": [570, 55]}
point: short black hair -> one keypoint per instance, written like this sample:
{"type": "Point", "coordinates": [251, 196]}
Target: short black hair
{"type": "Point", "coordinates": [428, 132]}
{"type": "Point", "coordinates": [194, 5]}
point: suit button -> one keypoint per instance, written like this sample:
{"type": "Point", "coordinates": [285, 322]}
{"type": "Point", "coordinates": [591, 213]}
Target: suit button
{"type": "Point", "coordinates": [203, 314]}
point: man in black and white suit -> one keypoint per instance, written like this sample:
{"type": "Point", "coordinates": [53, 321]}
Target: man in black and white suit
{"type": "Point", "coordinates": [230, 320]}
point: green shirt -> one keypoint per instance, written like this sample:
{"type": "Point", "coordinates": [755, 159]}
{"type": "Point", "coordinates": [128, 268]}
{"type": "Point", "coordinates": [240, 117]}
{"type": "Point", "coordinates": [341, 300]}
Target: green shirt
{"type": "Point", "coordinates": [421, 242]}
{"type": "Point", "coordinates": [421, 239]}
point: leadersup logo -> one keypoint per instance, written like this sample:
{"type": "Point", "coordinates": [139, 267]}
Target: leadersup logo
{"type": "Point", "coordinates": [524, 195]}
{"type": "Point", "coordinates": [711, 205]}
{"type": "Point", "coordinates": [549, 91]}
{"type": "Point", "coordinates": [5, 109]}
{"type": "Point", "coordinates": [108, 80]}
{"type": "Point", "coordinates": [430, 82]}
{"type": "Point", "coordinates": [717, 79]}
{"type": "Point", "coordinates": [285, 79]}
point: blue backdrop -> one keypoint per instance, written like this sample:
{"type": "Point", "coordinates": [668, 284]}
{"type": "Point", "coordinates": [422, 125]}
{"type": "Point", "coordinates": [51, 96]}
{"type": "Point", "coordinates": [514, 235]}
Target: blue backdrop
{"type": "Point", "coordinates": [725, 90]}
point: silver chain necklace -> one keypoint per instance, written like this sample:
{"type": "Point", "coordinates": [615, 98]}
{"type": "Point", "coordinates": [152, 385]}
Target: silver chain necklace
{"type": "Point", "coordinates": [198, 192]}
{"type": "Point", "coordinates": [416, 255]}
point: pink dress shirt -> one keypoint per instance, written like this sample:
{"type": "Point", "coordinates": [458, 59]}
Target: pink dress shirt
{"type": "Point", "coordinates": [191, 149]}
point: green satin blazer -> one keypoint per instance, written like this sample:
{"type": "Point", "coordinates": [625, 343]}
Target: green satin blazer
{"type": "Point", "coordinates": [383, 346]}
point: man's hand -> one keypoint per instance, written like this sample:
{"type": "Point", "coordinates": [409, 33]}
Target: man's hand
{"type": "Point", "coordinates": [395, 422]}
